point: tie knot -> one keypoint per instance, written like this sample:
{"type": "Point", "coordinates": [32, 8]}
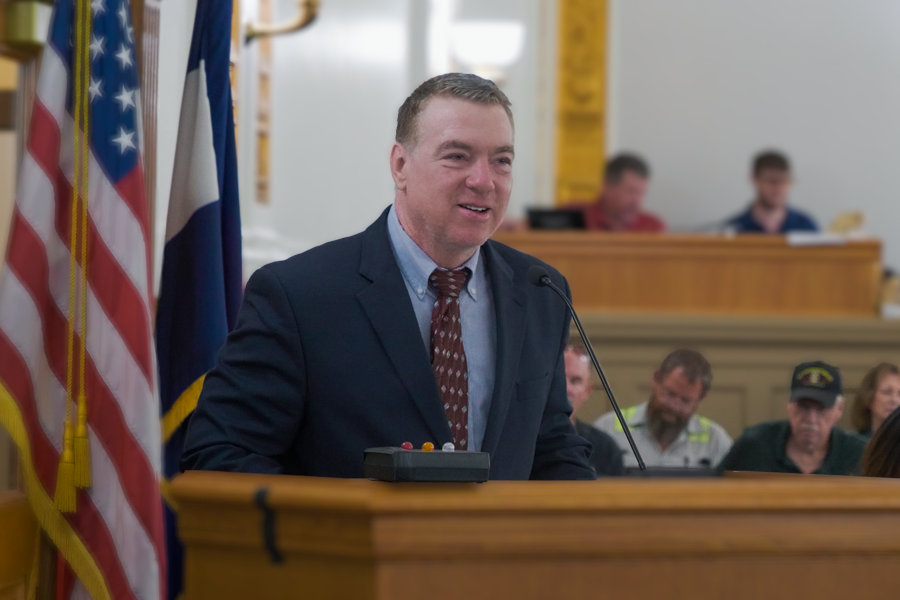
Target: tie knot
{"type": "Point", "coordinates": [449, 283]}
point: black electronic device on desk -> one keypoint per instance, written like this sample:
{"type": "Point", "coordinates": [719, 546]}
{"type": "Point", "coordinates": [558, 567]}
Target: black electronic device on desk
{"type": "Point", "coordinates": [427, 465]}
{"type": "Point", "coordinates": [565, 218]}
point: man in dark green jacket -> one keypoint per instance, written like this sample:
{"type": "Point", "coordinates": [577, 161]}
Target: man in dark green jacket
{"type": "Point", "coordinates": [808, 441]}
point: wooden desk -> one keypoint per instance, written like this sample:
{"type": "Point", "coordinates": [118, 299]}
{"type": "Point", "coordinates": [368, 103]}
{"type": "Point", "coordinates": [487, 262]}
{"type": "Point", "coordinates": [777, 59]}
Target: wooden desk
{"type": "Point", "coordinates": [774, 538]}
{"type": "Point", "coordinates": [742, 275]}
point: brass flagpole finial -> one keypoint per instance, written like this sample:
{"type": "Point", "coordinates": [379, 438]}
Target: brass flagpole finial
{"type": "Point", "coordinates": [308, 10]}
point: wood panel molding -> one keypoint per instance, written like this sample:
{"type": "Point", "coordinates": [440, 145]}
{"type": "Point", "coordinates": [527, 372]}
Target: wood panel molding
{"type": "Point", "coordinates": [776, 537]}
{"type": "Point", "coordinates": [709, 274]}
{"type": "Point", "coordinates": [752, 358]}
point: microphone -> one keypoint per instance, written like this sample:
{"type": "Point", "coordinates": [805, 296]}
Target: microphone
{"type": "Point", "coordinates": [538, 276]}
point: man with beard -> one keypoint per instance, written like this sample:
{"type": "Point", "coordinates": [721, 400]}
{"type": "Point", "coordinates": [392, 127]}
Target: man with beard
{"type": "Point", "coordinates": [667, 430]}
{"type": "Point", "coordinates": [808, 441]}
{"type": "Point", "coordinates": [769, 212]}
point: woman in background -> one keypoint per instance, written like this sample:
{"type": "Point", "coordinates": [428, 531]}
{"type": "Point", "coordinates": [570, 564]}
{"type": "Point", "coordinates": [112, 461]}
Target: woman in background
{"type": "Point", "coordinates": [882, 457]}
{"type": "Point", "coordinates": [878, 396]}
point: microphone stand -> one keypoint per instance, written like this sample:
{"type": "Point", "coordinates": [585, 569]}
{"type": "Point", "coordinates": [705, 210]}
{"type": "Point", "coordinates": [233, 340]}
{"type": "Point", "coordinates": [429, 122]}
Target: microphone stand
{"type": "Point", "coordinates": [544, 280]}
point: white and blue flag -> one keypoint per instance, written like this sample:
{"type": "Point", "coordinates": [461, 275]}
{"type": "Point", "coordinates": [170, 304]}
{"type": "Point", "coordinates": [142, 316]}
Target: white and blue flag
{"type": "Point", "coordinates": [200, 290]}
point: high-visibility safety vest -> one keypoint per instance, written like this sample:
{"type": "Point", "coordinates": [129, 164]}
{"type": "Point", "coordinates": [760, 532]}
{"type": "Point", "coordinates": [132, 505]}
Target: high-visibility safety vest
{"type": "Point", "coordinates": [697, 438]}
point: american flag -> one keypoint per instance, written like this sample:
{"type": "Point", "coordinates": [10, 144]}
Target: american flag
{"type": "Point", "coordinates": [114, 542]}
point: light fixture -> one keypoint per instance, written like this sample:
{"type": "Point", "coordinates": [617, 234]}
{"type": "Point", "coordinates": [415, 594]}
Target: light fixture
{"type": "Point", "coordinates": [488, 48]}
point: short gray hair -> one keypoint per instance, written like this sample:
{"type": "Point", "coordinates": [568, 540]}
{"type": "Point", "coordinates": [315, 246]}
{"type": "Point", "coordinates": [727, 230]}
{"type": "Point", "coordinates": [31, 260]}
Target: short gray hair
{"type": "Point", "coordinates": [455, 85]}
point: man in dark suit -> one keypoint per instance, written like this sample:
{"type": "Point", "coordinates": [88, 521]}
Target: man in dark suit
{"type": "Point", "coordinates": [417, 330]}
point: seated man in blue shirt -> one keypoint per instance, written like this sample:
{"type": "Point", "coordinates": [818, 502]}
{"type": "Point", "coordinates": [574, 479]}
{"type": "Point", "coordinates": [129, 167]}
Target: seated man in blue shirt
{"type": "Point", "coordinates": [769, 212]}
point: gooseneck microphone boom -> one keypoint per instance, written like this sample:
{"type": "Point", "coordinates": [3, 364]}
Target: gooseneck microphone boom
{"type": "Point", "coordinates": [537, 275]}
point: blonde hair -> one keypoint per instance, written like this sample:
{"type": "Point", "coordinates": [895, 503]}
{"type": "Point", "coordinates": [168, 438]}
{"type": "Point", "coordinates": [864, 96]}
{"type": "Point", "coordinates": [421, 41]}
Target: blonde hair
{"type": "Point", "coordinates": [861, 415]}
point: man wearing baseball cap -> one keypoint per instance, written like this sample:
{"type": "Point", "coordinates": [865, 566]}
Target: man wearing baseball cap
{"type": "Point", "coordinates": [808, 441]}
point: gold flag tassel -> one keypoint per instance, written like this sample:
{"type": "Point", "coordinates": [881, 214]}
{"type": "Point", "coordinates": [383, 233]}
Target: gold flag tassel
{"type": "Point", "coordinates": [65, 475]}
{"type": "Point", "coordinates": [82, 443]}
{"type": "Point", "coordinates": [65, 496]}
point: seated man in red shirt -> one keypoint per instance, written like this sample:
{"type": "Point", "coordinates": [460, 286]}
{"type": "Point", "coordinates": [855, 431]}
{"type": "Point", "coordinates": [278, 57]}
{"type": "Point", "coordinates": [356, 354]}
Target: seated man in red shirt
{"type": "Point", "coordinates": [619, 206]}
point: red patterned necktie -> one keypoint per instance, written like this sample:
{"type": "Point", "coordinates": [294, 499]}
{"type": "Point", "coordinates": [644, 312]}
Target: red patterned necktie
{"type": "Point", "coordinates": [448, 359]}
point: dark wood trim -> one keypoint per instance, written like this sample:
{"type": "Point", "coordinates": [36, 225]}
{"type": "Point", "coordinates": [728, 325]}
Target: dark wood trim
{"type": "Point", "coordinates": [7, 110]}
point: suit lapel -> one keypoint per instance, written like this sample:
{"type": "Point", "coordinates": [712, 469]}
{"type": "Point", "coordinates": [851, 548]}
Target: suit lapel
{"type": "Point", "coordinates": [387, 305]}
{"type": "Point", "coordinates": [509, 304]}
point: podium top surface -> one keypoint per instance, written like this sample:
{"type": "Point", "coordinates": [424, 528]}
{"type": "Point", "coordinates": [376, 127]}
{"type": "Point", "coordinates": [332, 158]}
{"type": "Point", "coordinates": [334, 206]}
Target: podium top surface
{"type": "Point", "coordinates": [709, 241]}
{"type": "Point", "coordinates": [764, 492]}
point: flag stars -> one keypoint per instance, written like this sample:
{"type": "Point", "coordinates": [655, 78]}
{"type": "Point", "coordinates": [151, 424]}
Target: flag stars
{"type": "Point", "coordinates": [124, 56]}
{"type": "Point", "coordinates": [125, 141]}
{"type": "Point", "coordinates": [94, 89]}
{"type": "Point", "coordinates": [123, 19]}
{"type": "Point", "coordinates": [97, 46]}
{"type": "Point", "coordinates": [123, 15]}
{"type": "Point", "coordinates": [126, 98]}
{"type": "Point", "coordinates": [97, 7]}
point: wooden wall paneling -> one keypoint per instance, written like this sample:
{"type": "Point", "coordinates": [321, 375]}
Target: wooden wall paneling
{"type": "Point", "coordinates": [705, 274]}
{"type": "Point", "coordinates": [752, 358]}
{"type": "Point", "coordinates": [581, 98]}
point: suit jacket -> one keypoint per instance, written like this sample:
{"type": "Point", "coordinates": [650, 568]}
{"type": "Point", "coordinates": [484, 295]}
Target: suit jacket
{"type": "Point", "coordinates": [327, 359]}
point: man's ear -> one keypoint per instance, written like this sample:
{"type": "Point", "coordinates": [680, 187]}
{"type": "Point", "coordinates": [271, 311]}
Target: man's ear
{"type": "Point", "coordinates": [399, 162]}
{"type": "Point", "coordinates": [839, 408]}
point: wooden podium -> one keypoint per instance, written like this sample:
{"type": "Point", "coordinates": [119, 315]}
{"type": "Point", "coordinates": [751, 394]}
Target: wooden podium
{"type": "Point", "coordinates": [767, 537]}
{"type": "Point", "coordinates": [710, 274]}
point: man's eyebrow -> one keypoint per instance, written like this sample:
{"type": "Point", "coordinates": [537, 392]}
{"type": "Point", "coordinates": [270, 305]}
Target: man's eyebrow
{"type": "Point", "coordinates": [453, 145]}
{"type": "Point", "coordinates": [458, 145]}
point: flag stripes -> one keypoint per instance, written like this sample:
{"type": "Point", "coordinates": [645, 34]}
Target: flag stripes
{"type": "Point", "coordinates": [114, 542]}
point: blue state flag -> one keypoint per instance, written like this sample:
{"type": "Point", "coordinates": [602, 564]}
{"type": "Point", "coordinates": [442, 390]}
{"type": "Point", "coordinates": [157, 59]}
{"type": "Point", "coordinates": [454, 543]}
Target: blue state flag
{"type": "Point", "coordinates": [200, 291]}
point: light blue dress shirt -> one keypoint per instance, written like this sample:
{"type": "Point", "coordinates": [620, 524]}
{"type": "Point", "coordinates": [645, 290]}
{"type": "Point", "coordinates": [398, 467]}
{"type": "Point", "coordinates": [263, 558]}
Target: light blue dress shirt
{"type": "Point", "coordinates": [479, 332]}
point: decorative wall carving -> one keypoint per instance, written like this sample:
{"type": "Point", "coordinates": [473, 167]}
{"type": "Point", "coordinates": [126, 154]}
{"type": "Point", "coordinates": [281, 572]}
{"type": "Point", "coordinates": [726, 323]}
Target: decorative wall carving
{"type": "Point", "coordinates": [581, 98]}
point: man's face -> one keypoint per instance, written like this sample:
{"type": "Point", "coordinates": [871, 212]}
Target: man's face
{"type": "Point", "coordinates": [453, 182]}
{"type": "Point", "coordinates": [578, 380]}
{"type": "Point", "coordinates": [772, 187]}
{"type": "Point", "coordinates": [811, 422]}
{"type": "Point", "coordinates": [674, 398]}
{"type": "Point", "coordinates": [624, 200]}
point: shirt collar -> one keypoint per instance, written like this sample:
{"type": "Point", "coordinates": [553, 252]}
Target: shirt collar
{"type": "Point", "coordinates": [417, 266]}
{"type": "Point", "coordinates": [781, 449]}
{"type": "Point", "coordinates": [639, 419]}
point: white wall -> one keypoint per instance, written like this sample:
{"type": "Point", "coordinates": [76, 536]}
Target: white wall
{"type": "Point", "coordinates": [336, 89]}
{"type": "Point", "coordinates": [698, 86]}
